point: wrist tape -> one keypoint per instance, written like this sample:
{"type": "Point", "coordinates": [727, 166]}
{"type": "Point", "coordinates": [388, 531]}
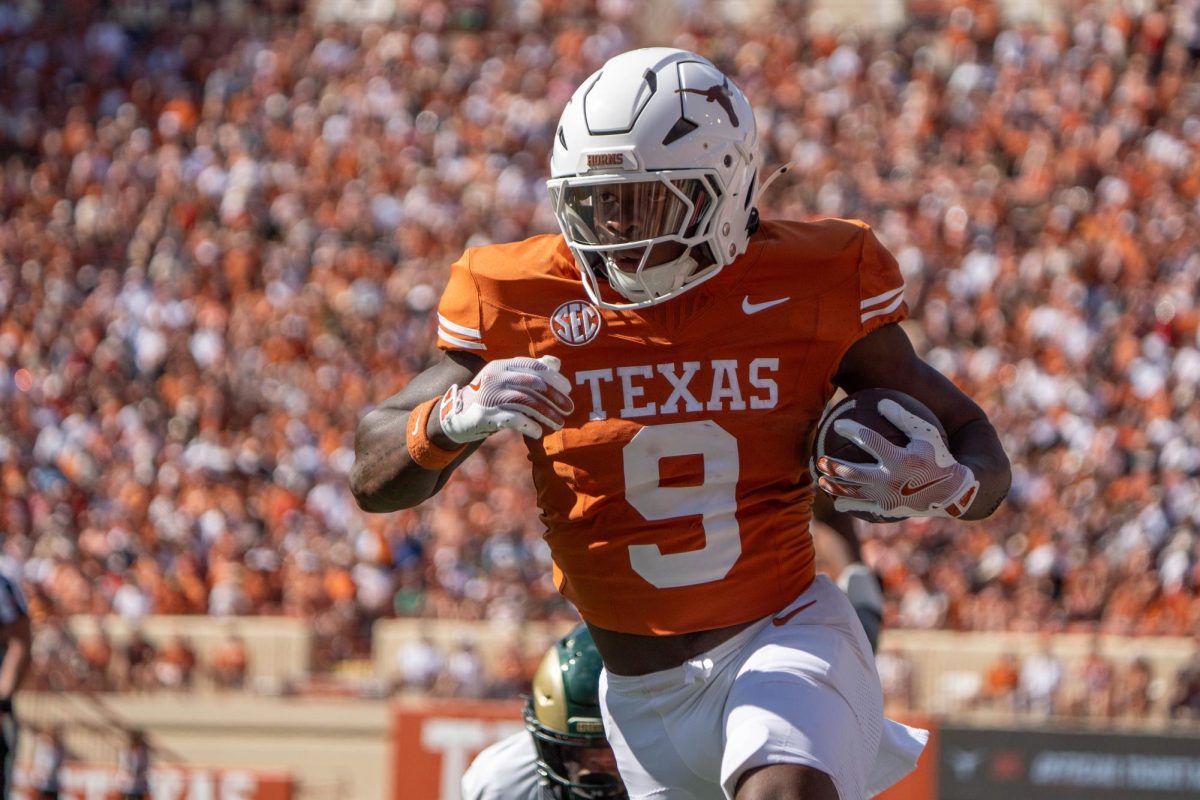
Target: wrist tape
{"type": "Point", "coordinates": [423, 452]}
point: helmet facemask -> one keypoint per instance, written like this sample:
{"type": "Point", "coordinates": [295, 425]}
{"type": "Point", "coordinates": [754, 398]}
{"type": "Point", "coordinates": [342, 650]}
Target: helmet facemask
{"type": "Point", "coordinates": [646, 234]}
{"type": "Point", "coordinates": [580, 767]}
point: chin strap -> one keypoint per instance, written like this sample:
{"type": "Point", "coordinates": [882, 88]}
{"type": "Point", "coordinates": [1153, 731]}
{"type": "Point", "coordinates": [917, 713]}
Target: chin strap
{"type": "Point", "coordinates": [752, 222]}
{"type": "Point", "coordinates": [640, 283]}
{"type": "Point", "coordinates": [771, 179]}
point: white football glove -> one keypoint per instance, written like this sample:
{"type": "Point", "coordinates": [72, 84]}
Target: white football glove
{"type": "Point", "coordinates": [921, 479]}
{"type": "Point", "coordinates": [528, 395]}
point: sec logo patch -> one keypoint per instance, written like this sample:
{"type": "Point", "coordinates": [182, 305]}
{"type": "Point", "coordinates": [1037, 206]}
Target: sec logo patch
{"type": "Point", "coordinates": [575, 322]}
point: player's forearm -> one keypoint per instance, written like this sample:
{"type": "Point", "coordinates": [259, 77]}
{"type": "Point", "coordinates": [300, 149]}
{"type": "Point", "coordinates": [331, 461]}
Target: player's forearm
{"type": "Point", "coordinates": [977, 447]}
{"type": "Point", "coordinates": [384, 477]}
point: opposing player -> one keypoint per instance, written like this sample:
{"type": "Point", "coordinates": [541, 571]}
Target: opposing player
{"type": "Point", "coordinates": [665, 358]}
{"type": "Point", "coordinates": [837, 552]}
{"type": "Point", "coordinates": [562, 754]}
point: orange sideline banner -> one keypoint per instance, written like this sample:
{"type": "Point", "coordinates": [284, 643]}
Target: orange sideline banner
{"type": "Point", "coordinates": [433, 742]}
{"type": "Point", "coordinates": [88, 782]}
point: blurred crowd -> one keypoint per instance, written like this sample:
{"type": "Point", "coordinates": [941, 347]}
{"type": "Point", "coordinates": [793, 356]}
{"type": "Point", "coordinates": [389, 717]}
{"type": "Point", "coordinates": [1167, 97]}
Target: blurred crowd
{"type": "Point", "coordinates": [426, 668]}
{"type": "Point", "coordinates": [224, 229]}
{"type": "Point", "coordinates": [96, 662]}
{"type": "Point", "coordinates": [1099, 685]}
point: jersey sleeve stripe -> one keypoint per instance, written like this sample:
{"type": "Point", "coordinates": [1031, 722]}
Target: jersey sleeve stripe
{"type": "Point", "coordinates": [463, 343]}
{"type": "Point", "coordinates": [459, 329]}
{"type": "Point", "coordinates": [880, 298]}
{"type": "Point", "coordinates": [889, 308]}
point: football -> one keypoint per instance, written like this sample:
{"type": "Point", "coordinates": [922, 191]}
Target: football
{"type": "Point", "coordinates": [863, 407]}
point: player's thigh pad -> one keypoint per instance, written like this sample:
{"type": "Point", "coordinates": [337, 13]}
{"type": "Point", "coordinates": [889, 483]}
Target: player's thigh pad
{"type": "Point", "coordinates": [808, 694]}
{"type": "Point", "coordinates": [666, 728]}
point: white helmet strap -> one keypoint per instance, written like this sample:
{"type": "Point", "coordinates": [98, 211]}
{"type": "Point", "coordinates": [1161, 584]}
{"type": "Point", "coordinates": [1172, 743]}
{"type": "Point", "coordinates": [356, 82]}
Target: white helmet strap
{"type": "Point", "coordinates": [649, 283]}
{"type": "Point", "coordinates": [771, 179]}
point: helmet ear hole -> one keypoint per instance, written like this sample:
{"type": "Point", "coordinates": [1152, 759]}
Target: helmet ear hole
{"type": "Point", "coordinates": [752, 222]}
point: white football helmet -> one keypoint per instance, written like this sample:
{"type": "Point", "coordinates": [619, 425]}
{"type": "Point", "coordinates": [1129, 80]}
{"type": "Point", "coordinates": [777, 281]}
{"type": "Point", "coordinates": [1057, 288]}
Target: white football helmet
{"type": "Point", "coordinates": [653, 175]}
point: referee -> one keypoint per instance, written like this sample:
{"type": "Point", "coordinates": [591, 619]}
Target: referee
{"type": "Point", "coordinates": [14, 645]}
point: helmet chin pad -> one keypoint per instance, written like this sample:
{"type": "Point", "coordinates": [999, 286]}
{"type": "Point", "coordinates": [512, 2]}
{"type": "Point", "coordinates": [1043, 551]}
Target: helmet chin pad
{"type": "Point", "coordinates": [651, 283]}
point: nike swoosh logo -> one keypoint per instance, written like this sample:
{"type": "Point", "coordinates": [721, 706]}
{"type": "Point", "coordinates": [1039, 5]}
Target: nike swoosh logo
{"type": "Point", "coordinates": [754, 308]}
{"type": "Point", "coordinates": [908, 489]}
{"type": "Point", "coordinates": [786, 618]}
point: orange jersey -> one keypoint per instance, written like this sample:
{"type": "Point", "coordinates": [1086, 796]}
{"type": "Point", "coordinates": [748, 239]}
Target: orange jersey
{"type": "Point", "coordinates": [677, 496]}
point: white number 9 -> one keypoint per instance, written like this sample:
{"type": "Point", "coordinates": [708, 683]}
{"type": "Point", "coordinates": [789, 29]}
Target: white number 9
{"type": "Point", "coordinates": [714, 500]}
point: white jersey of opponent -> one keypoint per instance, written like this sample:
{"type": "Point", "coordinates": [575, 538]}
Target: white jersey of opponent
{"type": "Point", "coordinates": [506, 770]}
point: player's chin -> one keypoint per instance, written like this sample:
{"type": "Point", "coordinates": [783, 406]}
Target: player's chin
{"type": "Point", "coordinates": [665, 252]}
{"type": "Point", "coordinates": [662, 253]}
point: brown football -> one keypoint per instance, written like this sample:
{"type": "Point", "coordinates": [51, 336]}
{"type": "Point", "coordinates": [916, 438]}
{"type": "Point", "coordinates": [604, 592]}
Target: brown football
{"type": "Point", "coordinates": [863, 407]}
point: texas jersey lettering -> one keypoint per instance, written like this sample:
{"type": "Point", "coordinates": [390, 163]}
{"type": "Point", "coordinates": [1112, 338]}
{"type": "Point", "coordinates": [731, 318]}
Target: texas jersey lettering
{"type": "Point", "coordinates": [684, 462]}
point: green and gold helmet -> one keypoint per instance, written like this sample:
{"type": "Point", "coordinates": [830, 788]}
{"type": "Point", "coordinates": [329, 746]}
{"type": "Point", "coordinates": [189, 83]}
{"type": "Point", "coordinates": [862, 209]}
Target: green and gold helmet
{"type": "Point", "coordinates": [563, 714]}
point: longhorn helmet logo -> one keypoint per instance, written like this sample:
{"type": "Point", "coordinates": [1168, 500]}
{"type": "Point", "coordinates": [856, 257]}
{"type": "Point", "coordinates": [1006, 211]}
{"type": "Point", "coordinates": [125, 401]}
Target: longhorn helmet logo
{"type": "Point", "coordinates": [719, 94]}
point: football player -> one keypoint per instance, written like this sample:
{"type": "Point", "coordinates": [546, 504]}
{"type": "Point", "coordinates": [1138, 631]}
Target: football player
{"type": "Point", "coordinates": [666, 357]}
{"type": "Point", "coordinates": [837, 553]}
{"type": "Point", "coordinates": [562, 754]}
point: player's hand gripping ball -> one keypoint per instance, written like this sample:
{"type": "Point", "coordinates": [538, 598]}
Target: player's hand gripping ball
{"type": "Point", "coordinates": [882, 455]}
